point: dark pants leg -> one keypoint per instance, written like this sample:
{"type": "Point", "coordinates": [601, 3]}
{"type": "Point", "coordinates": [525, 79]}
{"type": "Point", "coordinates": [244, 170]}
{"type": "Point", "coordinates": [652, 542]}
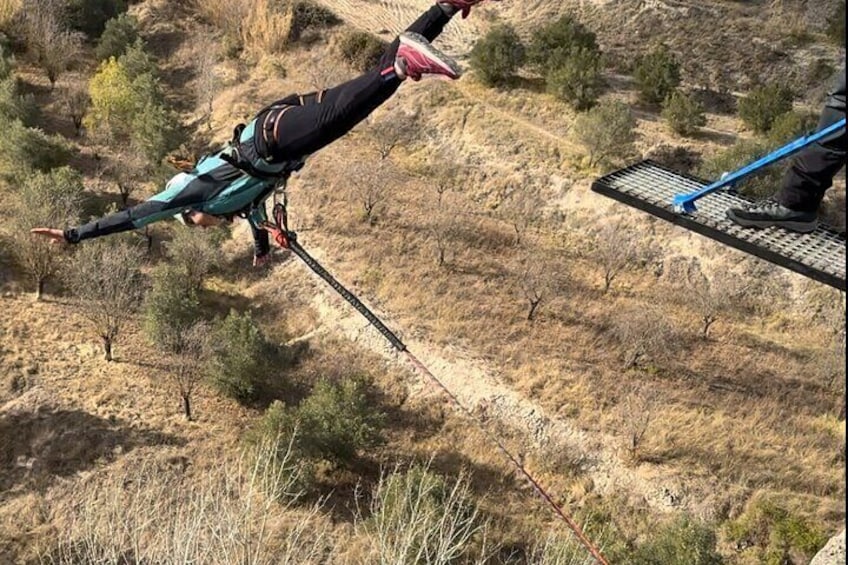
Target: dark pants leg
{"type": "Point", "coordinates": [326, 116]}
{"type": "Point", "coordinates": [812, 170]}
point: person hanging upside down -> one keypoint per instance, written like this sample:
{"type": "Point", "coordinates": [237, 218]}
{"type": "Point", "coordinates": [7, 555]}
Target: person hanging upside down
{"type": "Point", "coordinates": [795, 206]}
{"type": "Point", "coordinates": [237, 180]}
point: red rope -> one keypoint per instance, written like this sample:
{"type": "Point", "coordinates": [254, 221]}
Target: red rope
{"type": "Point", "coordinates": [587, 543]}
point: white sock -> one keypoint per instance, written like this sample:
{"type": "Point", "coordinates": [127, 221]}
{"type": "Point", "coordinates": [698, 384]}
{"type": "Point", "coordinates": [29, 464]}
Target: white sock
{"type": "Point", "coordinates": [400, 68]}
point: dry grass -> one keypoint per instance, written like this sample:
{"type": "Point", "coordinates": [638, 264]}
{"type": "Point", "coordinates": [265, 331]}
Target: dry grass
{"type": "Point", "coordinates": [8, 11]}
{"type": "Point", "coordinates": [733, 414]}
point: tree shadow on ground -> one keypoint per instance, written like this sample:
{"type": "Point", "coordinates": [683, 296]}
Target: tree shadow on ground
{"type": "Point", "coordinates": [38, 447]}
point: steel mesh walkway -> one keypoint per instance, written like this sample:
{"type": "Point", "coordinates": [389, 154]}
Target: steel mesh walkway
{"type": "Point", "coordinates": [648, 186]}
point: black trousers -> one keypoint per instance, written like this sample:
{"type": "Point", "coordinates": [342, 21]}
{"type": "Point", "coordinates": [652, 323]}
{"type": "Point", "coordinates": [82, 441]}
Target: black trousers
{"type": "Point", "coordinates": [812, 170]}
{"type": "Point", "coordinates": [315, 120]}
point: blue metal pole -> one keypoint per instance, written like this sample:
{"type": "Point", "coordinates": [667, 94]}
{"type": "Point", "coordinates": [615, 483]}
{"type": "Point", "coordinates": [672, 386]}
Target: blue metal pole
{"type": "Point", "coordinates": [686, 202]}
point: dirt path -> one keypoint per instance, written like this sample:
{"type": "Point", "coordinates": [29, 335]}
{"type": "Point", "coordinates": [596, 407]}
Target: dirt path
{"type": "Point", "coordinates": [479, 388]}
{"type": "Point", "coordinates": [475, 383]}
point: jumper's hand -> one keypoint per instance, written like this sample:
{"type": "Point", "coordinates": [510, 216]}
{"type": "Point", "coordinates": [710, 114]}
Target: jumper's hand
{"type": "Point", "coordinates": [261, 260]}
{"type": "Point", "coordinates": [53, 234]}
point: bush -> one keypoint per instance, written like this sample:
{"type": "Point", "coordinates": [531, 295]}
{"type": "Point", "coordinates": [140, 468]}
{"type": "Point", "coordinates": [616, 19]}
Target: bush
{"type": "Point", "coordinates": [607, 131]}
{"type": "Point", "coordinates": [23, 150]}
{"type": "Point", "coordinates": [763, 105]}
{"type": "Point", "coordinates": [683, 113]}
{"type": "Point", "coordinates": [681, 542]}
{"type": "Point", "coordinates": [335, 422]}
{"type": "Point", "coordinates": [339, 419]}
{"type": "Point", "coordinates": [497, 55]}
{"type": "Point", "coordinates": [127, 105]}
{"type": "Point", "coordinates": [90, 16]}
{"type": "Point", "coordinates": [743, 152]}
{"type": "Point", "coordinates": [421, 517]}
{"type": "Point", "coordinates": [13, 105]}
{"type": "Point", "coordinates": [577, 79]}
{"type": "Point", "coordinates": [120, 34]}
{"type": "Point", "coordinates": [773, 535]}
{"type": "Point", "coordinates": [552, 44]}
{"type": "Point", "coordinates": [242, 357]}
{"type": "Point", "coordinates": [657, 74]}
{"type": "Point", "coordinates": [361, 50]}
{"type": "Point", "coordinates": [790, 126]}
{"type": "Point", "coordinates": [196, 253]}
{"type": "Point", "coordinates": [171, 308]}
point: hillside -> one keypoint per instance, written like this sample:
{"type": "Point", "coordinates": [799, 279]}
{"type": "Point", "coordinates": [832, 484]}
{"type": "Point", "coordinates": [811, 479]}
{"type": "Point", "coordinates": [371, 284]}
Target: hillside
{"type": "Point", "coordinates": [633, 415]}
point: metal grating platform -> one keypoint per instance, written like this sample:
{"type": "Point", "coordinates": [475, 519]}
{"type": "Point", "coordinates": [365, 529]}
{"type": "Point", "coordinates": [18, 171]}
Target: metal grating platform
{"type": "Point", "coordinates": [648, 186]}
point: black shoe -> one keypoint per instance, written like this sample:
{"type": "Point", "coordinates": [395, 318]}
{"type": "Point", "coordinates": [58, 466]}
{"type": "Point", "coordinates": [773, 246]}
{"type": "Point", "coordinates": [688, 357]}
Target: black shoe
{"type": "Point", "coordinates": [770, 213]}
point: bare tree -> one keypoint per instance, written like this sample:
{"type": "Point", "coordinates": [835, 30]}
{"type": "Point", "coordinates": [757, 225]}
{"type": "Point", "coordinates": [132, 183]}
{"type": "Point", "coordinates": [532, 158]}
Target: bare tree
{"type": "Point", "coordinates": [636, 411]}
{"type": "Point", "coordinates": [715, 296]}
{"type": "Point", "coordinates": [439, 174]}
{"type": "Point", "coordinates": [540, 278]}
{"type": "Point", "coordinates": [369, 186]}
{"type": "Point", "coordinates": [75, 101]}
{"type": "Point", "coordinates": [196, 253]}
{"type": "Point", "coordinates": [645, 336]}
{"type": "Point", "coordinates": [128, 171]}
{"type": "Point", "coordinates": [392, 130]}
{"type": "Point", "coordinates": [207, 85]}
{"type": "Point", "coordinates": [188, 366]}
{"type": "Point", "coordinates": [443, 229]}
{"type": "Point", "coordinates": [616, 248]}
{"type": "Point", "coordinates": [521, 207]}
{"type": "Point", "coordinates": [55, 46]}
{"type": "Point", "coordinates": [106, 278]}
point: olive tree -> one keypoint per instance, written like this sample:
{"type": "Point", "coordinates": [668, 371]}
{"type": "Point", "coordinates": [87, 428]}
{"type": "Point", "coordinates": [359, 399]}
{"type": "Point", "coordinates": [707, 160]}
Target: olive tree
{"type": "Point", "coordinates": [44, 199]}
{"type": "Point", "coordinates": [106, 278]}
{"type": "Point", "coordinates": [607, 131]}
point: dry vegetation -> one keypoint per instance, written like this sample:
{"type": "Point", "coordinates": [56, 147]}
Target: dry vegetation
{"type": "Point", "coordinates": [600, 344]}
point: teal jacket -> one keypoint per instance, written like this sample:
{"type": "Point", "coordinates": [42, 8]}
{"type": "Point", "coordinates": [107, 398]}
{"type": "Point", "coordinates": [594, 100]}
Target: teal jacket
{"type": "Point", "coordinates": [215, 186]}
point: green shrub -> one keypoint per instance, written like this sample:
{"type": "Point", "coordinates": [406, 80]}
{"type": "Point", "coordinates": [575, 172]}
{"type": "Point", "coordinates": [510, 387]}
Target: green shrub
{"type": "Point", "coordinates": [496, 56]}
{"type": "Point", "coordinates": [773, 535]}
{"type": "Point", "coordinates": [576, 79]}
{"type": "Point", "coordinates": [683, 113]}
{"type": "Point", "coordinates": [743, 152]}
{"type": "Point", "coordinates": [790, 126]}
{"type": "Point", "coordinates": [120, 34]}
{"type": "Point", "coordinates": [657, 74]}
{"type": "Point", "coordinates": [607, 131]}
{"type": "Point", "coordinates": [13, 104]}
{"type": "Point", "coordinates": [339, 419]}
{"type": "Point", "coordinates": [170, 309]}
{"type": "Point", "coordinates": [23, 150]}
{"type": "Point", "coordinates": [555, 42]}
{"type": "Point", "coordinates": [763, 105]}
{"type": "Point", "coordinates": [127, 105]}
{"type": "Point", "coordinates": [334, 423]}
{"type": "Point", "coordinates": [361, 50]}
{"type": "Point", "coordinates": [90, 16]}
{"type": "Point", "coordinates": [681, 542]}
{"type": "Point", "coordinates": [242, 358]}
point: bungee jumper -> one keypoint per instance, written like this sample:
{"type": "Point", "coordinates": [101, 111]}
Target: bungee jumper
{"type": "Point", "coordinates": [786, 230]}
{"type": "Point", "coordinates": [256, 163]}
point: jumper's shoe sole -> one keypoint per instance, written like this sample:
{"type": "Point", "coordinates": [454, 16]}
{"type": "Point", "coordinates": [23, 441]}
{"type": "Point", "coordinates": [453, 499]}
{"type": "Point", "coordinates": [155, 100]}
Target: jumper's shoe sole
{"type": "Point", "coordinates": [421, 58]}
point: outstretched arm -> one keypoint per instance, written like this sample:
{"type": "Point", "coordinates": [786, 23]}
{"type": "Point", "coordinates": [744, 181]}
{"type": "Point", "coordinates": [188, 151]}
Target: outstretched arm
{"type": "Point", "coordinates": [182, 192]}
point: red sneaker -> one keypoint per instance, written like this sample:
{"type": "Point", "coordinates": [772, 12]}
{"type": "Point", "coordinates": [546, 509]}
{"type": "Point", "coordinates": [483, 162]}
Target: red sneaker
{"type": "Point", "coordinates": [463, 5]}
{"type": "Point", "coordinates": [419, 58]}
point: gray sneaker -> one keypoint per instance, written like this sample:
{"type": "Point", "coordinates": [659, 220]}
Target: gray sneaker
{"type": "Point", "coordinates": [770, 213]}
